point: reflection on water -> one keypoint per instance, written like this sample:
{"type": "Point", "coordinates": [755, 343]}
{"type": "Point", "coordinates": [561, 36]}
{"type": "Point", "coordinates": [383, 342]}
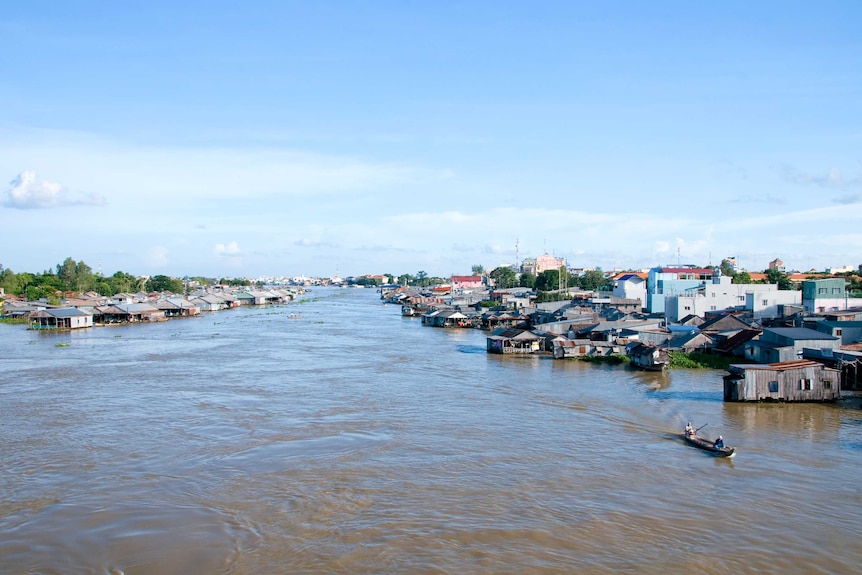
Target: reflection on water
{"type": "Point", "coordinates": [346, 439]}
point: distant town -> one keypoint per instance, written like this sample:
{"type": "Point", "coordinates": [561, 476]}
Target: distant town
{"type": "Point", "coordinates": [782, 336]}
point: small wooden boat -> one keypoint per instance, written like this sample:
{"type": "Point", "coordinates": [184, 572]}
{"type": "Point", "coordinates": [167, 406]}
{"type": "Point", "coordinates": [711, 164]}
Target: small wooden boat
{"type": "Point", "coordinates": [707, 445]}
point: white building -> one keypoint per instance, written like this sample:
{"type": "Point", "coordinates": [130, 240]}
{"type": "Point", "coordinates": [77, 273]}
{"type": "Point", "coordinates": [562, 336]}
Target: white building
{"type": "Point", "coordinates": [631, 286]}
{"type": "Point", "coordinates": [763, 300]}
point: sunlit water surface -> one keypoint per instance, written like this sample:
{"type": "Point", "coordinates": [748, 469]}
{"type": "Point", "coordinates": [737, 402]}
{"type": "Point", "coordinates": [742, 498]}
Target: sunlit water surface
{"type": "Point", "coordinates": [334, 436]}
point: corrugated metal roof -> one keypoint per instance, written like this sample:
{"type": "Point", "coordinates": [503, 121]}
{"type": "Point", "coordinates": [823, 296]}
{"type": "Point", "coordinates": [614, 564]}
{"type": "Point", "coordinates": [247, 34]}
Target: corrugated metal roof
{"type": "Point", "coordinates": [798, 333]}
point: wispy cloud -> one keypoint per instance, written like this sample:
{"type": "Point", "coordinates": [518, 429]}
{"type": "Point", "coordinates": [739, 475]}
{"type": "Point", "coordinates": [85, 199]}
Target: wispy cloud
{"type": "Point", "coordinates": [759, 199]}
{"type": "Point", "coordinates": [848, 199]}
{"type": "Point", "coordinates": [310, 243]}
{"type": "Point", "coordinates": [157, 256]}
{"type": "Point", "coordinates": [26, 192]}
{"type": "Point", "coordinates": [831, 179]}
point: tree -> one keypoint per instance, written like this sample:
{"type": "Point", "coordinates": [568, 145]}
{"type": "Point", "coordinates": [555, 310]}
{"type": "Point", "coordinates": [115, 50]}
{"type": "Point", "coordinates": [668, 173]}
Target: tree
{"type": "Point", "coordinates": [10, 282]}
{"type": "Point", "coordinates": [67, 273]}
{"type": "Point", "coordinates": [422, 278]}
{"type": "Point", "coordinates": [102, 287]}
{"type": "Point", "coordinates": [25, 280]}
{"type": "Point", "coordinates": [504, 277]}
{"type": "Point", "coordinates": [406, 279]}
{"type": "Point", "coordinates": [548, 280]}
{"type": "Point", "coordinates": [742, 278]}
{"type": "Point", "coordinates": [478, 270]}
{"type": "Point", "coordinates": [594, 280]}
{"type": "Point", "coordinates": [527, 280]}
{"type": "Point", "coordinates": [121, 282]}
{"type": "Point", "coordinates": [165, 283]}
{"type": "Point", "coordinates": [84, 278]}
{"type": "Point", "coordinates": [726, 268]}
{"type": "Point", "coordinates": [776, 276]}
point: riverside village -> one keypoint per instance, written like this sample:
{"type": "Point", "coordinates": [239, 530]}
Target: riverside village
{"type": "Point", "coordinates": [784, 337]}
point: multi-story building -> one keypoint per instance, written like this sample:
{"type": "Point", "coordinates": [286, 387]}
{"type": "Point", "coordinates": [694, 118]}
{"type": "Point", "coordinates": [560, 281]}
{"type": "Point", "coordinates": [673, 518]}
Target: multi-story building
{"type": "Point", "coordinates": [631, 286]}
{"type": "Point", "coordinates": [547, 262]}
{"type": "Point", "coordinates": [828, 294]}
{"type": "Point", "coordinates": [542, 263]}
{"type": "Point", "coordinates": [668, 281]}
{"type": "Point", "coordinates": [762, 300]}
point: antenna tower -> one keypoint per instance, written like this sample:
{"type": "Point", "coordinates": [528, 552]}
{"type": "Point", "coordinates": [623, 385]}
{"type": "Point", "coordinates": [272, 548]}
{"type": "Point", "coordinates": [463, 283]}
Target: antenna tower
{"type": "Point", "coordinates": [517, 255]}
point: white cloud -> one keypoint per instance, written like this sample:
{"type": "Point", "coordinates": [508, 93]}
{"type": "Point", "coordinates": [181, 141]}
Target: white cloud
{"type": "Point", "coordinates": [157, 256]}
{"type": "Point", "coordinates": [230, 249]}
{"type": "Point", "coordinates": [26, 193]}
{"type": "Point", "coordinates": [187, 175]}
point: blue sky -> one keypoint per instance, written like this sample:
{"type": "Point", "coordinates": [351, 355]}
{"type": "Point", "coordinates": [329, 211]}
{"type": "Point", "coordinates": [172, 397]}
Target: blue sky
{"type": "Point", "coordinates": [315, 138]}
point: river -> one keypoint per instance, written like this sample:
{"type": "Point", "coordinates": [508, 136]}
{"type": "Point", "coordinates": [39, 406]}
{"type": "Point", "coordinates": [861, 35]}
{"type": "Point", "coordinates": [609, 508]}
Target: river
{"type": "Point", "coordinates": [332, 435]}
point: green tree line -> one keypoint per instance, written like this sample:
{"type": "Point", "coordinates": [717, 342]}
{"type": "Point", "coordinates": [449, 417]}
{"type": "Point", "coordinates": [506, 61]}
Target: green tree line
{"type": "Point", "coordinates": [78, 277]}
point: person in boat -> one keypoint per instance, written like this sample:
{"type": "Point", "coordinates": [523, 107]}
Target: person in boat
{"type": "Point", "coordinates": [718, 443]}
{"type": "Point", "coordinates": [689, 430]}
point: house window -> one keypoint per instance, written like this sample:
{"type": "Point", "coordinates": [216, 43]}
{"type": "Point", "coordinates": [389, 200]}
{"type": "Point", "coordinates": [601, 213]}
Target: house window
{"type": "Point", "coordinates": [836, 290]}
{"type": "Point", "coordinates": [712, 308]}
{"type": "Point", "coordinates": [805, 384]}
{"type": "Point", "coordinates": [822, 290]}
{"type": "Point", "coordinates": [827, 385]}
{"type": "Point", "coordinates": [687, 308]}
{"type": "Point", "coordinates": [838, 331]}
{"type": "Point", "coordinates": [765, 302]}
{"type": "Point", "coordinates": [773, 387]}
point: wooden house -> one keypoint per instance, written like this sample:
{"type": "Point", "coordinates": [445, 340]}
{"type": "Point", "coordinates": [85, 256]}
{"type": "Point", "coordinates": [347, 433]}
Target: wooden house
{"type": "Point", "coordinates": [781, 344]}
{"type": "Point", "coordinates": [734, 344]}
{"type": "Point", "coordinates": [259, 297]}
{"type": "Point", "coordinates": [123, 298]}
{"type": "Point", "coordinates": [507, 341]}
{"type": "Point", "coordinates": [565, 348]}
{"type": "Point", "coordinates": [847, 361]}
{"type": "Point", "coordinates": [723, 323]}
{"type": "Point", "coordinates": [178, 307]}
{"type": "Point", "coordinates": [800, 380]}
{"type": "Point", "coordinates": [648, 357]}
{"type": "Point", "coordinates": [61, 318]}
{"type": "Point", "coordinates": [689, 341]}
{"type": "Point", "coordinates": [492, 320]}
{"type": "Point", "coordinates": [210, 302]}
{"type": "Point", "coordinates": [127, 313]}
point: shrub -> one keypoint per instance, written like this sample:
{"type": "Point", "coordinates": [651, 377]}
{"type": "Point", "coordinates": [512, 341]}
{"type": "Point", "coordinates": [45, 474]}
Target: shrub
{"type": "Point", "coordinates": [698, 360]}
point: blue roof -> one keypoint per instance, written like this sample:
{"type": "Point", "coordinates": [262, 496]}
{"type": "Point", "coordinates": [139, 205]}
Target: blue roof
{"type": "Point", "coordinates": [628, 277]}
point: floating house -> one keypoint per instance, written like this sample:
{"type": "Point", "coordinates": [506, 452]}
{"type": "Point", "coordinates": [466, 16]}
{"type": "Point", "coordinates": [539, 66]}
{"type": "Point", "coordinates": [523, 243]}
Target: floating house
{"type": "Point", "coordinates": [649, 357]}
{"type": "Point", "coordinates": [513, 341]}
{"type": "Point", "coordinates": [61, 318]}
{"type": "Point", "coordinates": [801, 380]}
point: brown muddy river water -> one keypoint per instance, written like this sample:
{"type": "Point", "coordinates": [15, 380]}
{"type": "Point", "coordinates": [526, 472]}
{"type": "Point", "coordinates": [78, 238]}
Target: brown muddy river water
{"type": "Point", "coordinates": [352, 440]}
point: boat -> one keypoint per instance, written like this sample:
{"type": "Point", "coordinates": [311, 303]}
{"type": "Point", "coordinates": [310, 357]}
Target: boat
{"type": "Point", "coordinates": [707, 445]}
